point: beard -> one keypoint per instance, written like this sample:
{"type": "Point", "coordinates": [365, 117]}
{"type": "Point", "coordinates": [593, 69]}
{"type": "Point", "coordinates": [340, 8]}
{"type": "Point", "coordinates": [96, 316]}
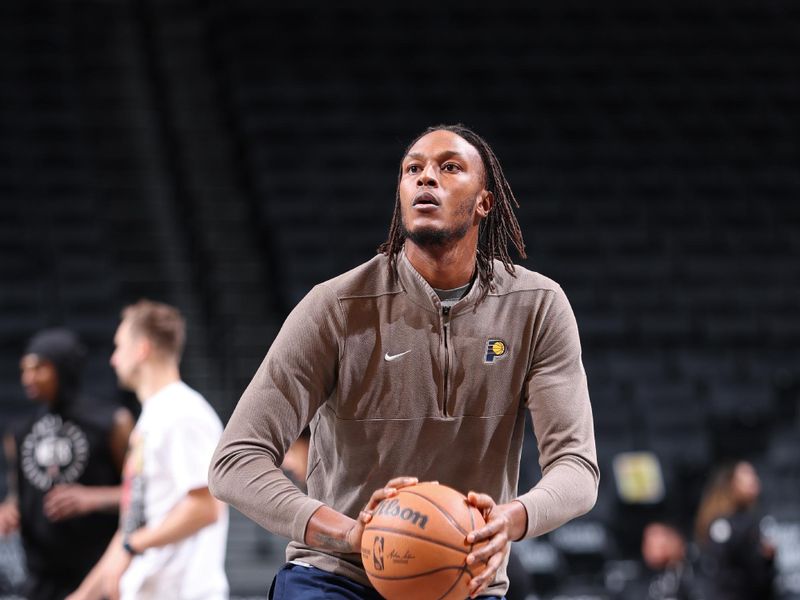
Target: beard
{"type": "Point", "coordinates": [439, 237]}
{"type": "Point", "coordinates": [432, 237]}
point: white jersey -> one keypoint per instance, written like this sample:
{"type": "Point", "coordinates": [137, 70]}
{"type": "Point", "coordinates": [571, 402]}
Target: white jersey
{"type": "Point", "coordinates": [169, 456]}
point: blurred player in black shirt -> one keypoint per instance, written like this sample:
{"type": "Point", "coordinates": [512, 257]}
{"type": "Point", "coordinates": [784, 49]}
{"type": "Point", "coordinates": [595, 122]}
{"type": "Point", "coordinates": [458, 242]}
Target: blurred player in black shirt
{"type": "Point", "coordinates": [65, 464]}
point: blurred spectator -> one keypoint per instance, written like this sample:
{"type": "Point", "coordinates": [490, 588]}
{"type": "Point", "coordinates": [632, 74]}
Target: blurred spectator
{"type": "Point", "coordinates": [736, 560]}
{"type": "Point", "coordinates": [664, 553]}
{"type": "Point", "coordinates": [64, 485]}
{"type": "Point", "coordinates": [171, 541]}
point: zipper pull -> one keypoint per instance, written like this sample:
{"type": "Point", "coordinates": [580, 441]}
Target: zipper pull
{"type": "Point", "coordinates": [445, 310]}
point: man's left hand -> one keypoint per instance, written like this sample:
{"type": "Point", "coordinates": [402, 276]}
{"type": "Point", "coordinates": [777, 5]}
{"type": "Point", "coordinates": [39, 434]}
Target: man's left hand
{"type": "Point", "coordinates": [504, 523]}
{"type": "Point", "coordinates": [66, 501]}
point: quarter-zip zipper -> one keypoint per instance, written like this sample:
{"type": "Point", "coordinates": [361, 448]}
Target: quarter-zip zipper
{"type": "Point", "coordinates": [445, 327]}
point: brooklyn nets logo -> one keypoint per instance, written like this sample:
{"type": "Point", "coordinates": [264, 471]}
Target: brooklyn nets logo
{"type": "Point", "coordinates": [53, 452]}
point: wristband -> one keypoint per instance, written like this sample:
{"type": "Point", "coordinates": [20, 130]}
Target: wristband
{"type": "Point", "coordinates": [128, 548]}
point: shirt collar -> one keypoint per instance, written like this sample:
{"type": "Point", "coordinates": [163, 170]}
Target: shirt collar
{"type": "Point", "coordinates": [421, 292]}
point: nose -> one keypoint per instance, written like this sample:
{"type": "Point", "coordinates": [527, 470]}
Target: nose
{"type": "Point", "coordinates": [427, 177]}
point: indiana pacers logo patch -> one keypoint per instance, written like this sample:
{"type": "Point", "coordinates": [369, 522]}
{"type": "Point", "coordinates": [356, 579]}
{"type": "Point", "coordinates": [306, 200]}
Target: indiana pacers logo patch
{"type": "Point", "coordinates": [495, 350]}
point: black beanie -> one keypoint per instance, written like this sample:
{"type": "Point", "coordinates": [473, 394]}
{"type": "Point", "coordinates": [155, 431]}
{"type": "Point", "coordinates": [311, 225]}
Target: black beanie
{"type": "Point", "coordinates": [61, 347]}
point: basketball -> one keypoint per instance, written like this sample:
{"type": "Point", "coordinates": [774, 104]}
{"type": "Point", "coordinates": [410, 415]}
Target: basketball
{"type": "Point", "coordinates": [415, 545]}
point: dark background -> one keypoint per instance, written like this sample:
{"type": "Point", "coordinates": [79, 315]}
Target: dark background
{"type": "Point", "coordinates": [226, 156]}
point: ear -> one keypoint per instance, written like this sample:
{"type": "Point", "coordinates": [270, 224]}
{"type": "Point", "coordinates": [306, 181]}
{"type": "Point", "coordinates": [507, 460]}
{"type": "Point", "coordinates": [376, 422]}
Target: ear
{"type": "Point", "coordinates": [144, 348]}
{"type": "Point", "coordinates": [484, 204]}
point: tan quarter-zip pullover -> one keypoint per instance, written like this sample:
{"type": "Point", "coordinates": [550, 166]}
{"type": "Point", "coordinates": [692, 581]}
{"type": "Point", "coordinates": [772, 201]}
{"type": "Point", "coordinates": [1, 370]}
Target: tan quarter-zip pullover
{"type": "Point", "coordinates": [392, 384]}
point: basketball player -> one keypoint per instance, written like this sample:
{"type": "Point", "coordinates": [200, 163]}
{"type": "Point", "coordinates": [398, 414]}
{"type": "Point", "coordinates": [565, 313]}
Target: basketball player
{"type": "Point", "coordinates": [66, 464]}
{"type": "Point", "coordinates": [171, 541]}
{"type": "Point", "coordinates": [418, 365]}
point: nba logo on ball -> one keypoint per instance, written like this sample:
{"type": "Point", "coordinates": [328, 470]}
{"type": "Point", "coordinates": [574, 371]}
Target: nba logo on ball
{"type": "Point", "coordinates": [377, 553]}
{"type": "Point", "coordinates": [495, 350]}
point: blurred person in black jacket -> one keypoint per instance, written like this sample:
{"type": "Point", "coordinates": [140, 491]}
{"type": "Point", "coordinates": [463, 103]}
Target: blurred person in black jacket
{"type": "Point", "coordinates": [64, 468]}
{"type": "Point", "coordinates": [671, 576]}
{"type": "Point", "coordinates": [737, 562]}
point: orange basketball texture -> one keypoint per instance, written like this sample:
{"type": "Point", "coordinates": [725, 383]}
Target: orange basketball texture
{"type": "Point", "coordinates": [415, 544]}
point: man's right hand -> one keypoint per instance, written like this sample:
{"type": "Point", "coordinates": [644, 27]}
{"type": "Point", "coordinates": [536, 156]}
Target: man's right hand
{"type": "Point", "coordinates": [330, 530]}
{"type": "Point", "coordinates": [9, 517]}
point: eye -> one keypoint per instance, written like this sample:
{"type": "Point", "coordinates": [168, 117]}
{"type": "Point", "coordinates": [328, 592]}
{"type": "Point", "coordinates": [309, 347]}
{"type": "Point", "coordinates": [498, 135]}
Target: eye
{"type": "Point", "coordinates": [451, 167]}
{"type": "Point", "coordinates": [413, 169]}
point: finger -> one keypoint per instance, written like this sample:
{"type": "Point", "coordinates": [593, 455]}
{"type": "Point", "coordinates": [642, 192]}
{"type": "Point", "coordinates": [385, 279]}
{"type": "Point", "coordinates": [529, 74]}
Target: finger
{"type": "Point", "coordinates": [382, 494]}
{"type": "Point", "coordinates": [54, 515]}
{"type": "Point", "coordinates": [365, 516]}
{"type": "Point", "coordinates": [486, 532]}
{"type": "Point", "coordinates": [54, 503]}
{"type": "Point", "coordinates": [49, 508]}
{"type": "Point", "coordinates": [399, 482]}
{"type": "Point", "coordinates": [377, 497]}
{"type": "Point", "coordinates": [390, 490]}
{"type": "Point", "coordinates": [480, 501]}
{"type": "Point", "coordinates": [484, 553]}
{"type": "Point", "coordinates": [481, 582]}
{"type": "Point", "coordinates": [59, 502]}
{"type": "Point", "coordinates": [60, 509]}
{"type": "Point", "coordinates": [53, 497]}
{"type": "Point", "coordinates": [483, 502]}
{"type": "Point", "coordinates": [64, 513]}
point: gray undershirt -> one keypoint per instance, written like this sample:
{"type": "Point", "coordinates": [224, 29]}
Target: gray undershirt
{"type": "Point", "coordinates": [450, 297]}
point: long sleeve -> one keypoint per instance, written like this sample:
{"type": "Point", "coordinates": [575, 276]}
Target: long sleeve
{"type": "Point", "coordinates": [295, 379]}
{"type": "Point", "coordinates": [558, 398]}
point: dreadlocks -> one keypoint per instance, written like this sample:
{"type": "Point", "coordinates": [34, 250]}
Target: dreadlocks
{"type": "Point", "coordinates": [494, 232]}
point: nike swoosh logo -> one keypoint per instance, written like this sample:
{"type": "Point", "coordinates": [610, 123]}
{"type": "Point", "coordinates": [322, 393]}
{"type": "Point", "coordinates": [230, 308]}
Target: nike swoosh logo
{"type": "Point", "coordinates": [390, 357]}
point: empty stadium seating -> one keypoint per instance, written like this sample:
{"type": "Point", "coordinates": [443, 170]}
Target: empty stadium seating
{"type": "Point", "coordinates": [228, 156]}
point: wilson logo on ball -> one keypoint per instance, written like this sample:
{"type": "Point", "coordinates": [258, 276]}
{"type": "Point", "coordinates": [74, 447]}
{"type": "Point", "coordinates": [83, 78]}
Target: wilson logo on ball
{"type": "Point", "coordinates": [392, 508]}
